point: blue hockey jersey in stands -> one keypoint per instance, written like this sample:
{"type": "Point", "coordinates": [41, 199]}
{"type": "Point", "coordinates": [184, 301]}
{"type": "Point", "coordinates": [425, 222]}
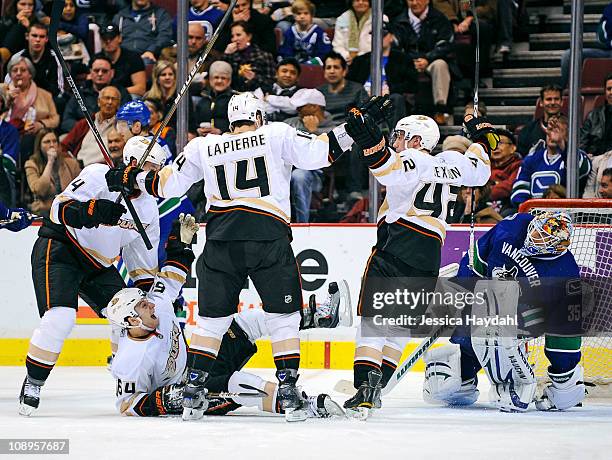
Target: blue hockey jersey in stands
{"type": "Point", "coordinates": [305, 46]}
{"type": "Point", "coordinates": [210, 18]}
{"type": "Point", "coordinates": [538, 172]}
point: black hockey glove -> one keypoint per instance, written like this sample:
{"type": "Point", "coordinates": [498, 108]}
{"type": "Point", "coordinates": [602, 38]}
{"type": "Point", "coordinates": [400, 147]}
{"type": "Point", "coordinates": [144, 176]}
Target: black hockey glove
{"type": "Point", "coordinates": [379, 108]}
{"type": "Point", "coordinates": [96, 212]}
{"type": "Point", "coordinates": [365, 132]}
{"type": "Point", "coordinates": [166, 400]}
{"type": "Point", "coordinates": [481, 131]}
{"type": "Point", "coordinates": [122, 179]}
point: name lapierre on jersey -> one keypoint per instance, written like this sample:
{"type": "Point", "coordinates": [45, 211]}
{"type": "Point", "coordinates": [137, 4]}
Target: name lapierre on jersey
{"type": "Point", "coordinates": [242, 143]}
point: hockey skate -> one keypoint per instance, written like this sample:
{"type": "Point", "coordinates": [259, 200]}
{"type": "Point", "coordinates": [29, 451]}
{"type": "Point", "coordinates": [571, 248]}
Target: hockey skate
{"type": "Point", "coordinates": [366, 398]}
{"type": "Point", "coordinates": [322, 406]}
{"type": "Point", "coordinates": [29, 398]}
{"type": "Point", "coordinates": [288, 396]}
{"type": "Point", "coordinates": [194, 395]}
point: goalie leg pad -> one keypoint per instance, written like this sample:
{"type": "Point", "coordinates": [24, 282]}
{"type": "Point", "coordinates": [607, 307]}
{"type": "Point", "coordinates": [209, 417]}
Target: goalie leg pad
{"type": "Point", "coordinates": [442, 373]}
{"type": "Point", "coordinates": [566, 390]}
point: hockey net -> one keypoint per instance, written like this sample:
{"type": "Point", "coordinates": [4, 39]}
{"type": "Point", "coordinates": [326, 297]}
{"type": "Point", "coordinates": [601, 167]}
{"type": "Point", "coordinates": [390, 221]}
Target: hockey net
{"type": "Point", "coordinates": [591, 246]}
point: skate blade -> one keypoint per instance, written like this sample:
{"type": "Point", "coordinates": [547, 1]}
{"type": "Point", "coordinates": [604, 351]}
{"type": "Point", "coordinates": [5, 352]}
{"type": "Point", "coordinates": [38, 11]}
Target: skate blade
{"type": "Point", "coordinates": [358, 413]}
{"type": "Point", "coordinates": [333, 408]}
{"type": "Point", "coordinates": [296, 415]}
{"type": "Point", "coordinates": [190, 413]}
{"type": "Point", "coordinates": [26, 410]}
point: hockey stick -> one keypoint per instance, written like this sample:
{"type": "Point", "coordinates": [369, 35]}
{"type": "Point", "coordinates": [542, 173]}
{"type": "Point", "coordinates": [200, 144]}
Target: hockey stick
{"type": "Point", "coordinates": [476, 81]}
{"type": "Point", "coordinates": [346, 387]}
{"type": "Point", "coordinates": [56, 14]}
{"type": "Point", "coordinates": [255, 393]}
{"type": "Point", "coordinates": [15, 216]}
{"type": "Point", "coordinates": [188, 82]}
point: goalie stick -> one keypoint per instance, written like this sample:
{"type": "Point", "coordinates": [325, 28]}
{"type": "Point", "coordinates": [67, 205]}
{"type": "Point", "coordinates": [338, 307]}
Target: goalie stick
{"type": "Point", "coordinates": [346, 387]}
{"type": "Point", "coordinates": [56, 14]}
{"type": "Point", "coordinates": [188, 82]}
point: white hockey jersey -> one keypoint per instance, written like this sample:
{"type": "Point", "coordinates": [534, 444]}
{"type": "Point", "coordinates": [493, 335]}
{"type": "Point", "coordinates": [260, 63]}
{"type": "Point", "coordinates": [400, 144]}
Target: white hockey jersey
{"type": "Point", "coordinates": [142, 365]}
{"type": "Point", "coordinates": [101, 245]}
{"type": "Point", "coordinates": [421, 193]}
{"type": "Point", "coordinates": [246, 177]}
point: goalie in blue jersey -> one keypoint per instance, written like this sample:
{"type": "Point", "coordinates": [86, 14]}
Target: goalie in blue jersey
{"type": "Point", "coordinates": [534, 251]}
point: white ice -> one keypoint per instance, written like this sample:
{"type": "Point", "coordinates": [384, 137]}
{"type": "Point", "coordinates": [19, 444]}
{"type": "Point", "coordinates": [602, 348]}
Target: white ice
{"type": "Point", "coordinates": [77, 403]}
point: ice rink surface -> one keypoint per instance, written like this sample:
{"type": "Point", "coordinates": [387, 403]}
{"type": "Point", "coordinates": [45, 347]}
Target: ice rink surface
{"type": "Point", "coordinates": [78, 403]}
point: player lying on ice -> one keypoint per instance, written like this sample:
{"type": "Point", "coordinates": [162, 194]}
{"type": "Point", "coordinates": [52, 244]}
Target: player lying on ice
{"type": "Point", "coordinates": [151, 359]}
{"type": "Point", "coordinates": [534, 251]}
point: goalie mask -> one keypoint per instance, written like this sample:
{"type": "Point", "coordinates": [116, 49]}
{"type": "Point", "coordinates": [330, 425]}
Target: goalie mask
{"type": "Point", "coordinates": [549, 233]}
{"type": "Point", "coordinates": [246, 107]}
{"type": "Point", "coordinates": [416, 125]}
{"type": "Point", "coordinates": [135, 148]}
{"type": "Point", "coordinates": [123, 306]}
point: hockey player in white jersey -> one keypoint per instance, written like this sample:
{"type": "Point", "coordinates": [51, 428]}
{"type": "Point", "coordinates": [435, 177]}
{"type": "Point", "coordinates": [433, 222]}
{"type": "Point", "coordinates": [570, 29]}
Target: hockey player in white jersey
{"type": "Point", "coordinates": [246, 182]}
{"type": "Point", "coordinates": [73, 256]}
{"type": "Point", "coordinates": [421, 192]}
{"type": "Point", "coordinates": [152, 353]}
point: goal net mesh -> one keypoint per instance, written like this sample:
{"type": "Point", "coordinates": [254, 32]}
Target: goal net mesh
{"type": "Point", "coordinates": [591, 246]}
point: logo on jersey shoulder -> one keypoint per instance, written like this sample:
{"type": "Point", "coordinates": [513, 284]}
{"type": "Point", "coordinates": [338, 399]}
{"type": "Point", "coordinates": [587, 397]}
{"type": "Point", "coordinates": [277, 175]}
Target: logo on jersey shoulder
{"type": "Point", "coordinates": [129, 225]}
{"type": "Point", "coordinates": [573, 287]}
{"type": "Point", "coordinates": [504, 273]}
{"type": "Point", "coordinates": [288, 299]}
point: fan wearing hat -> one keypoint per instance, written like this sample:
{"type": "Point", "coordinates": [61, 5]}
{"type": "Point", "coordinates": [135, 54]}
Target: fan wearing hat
{"type": "Point", "coordinates": [129, 68]}
{"type": "Point", "coordinates": [312, 118]}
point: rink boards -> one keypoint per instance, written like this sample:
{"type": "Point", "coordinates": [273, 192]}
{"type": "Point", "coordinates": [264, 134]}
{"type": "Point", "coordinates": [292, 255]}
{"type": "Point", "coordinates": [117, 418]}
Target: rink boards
{"type": "Point", "coordinates": [324, 253]}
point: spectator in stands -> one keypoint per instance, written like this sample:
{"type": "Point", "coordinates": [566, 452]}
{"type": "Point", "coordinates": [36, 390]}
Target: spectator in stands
{"type": "Point", "coordinates": [32, 108]}
{"type": "Point", "coordinates": [14, 26]}
{"type": "Point", "coordinates": [206, 14]}
{"type": "Point", "coordinates": [72, 33]}
{"type": "Point", "coordinates": [312, 118]}
{"type": "Point", "coordinates": [115, 141]}
{"type": "Point", "coordinates": [505, 164]}
{"type": "Point", "coordinates": [305, 41]}
{"type": "Point", "coordinates": [398, 74]}
{"type": "Point", "coordinates": [157, 114]}
{"type": "Point", "coordinates": [163, 89]}
{"type": "Point", "coordinates": [197, 39]}
{"type": "Point", "coordinates": [211, 112]}
{"type": "Point", "coordinates": [545, 165]}
{"type": "Point", "coordinates": [48, 171]}
{"type": "Point", "coordinates": [605, 184]}
{"type": "Point", "coordinates": [278, 102]}
{"type": "Point", "coordinates": [252, 66]}
{"type": "Point", "coordinates": [604, 40]}
{"type": "Point", "coordinates": [352, 36]}
{"type": "Point", "coordinates": [596, 132]}
{"type": "Point", "coordinates": [535, 130]}
{"type": "Point", "coordinates": [485, 213]}
{"type": "Point", "coordinates": [49, 75]}
{"type": "Point", "coordinates": [9, 152]}
{"type": "Point", "coordinates": [146, 28]}
{"type": "Point", "coordinates": [340, 93]}
{"type": "Point", "coordinates": [555, 192]}
{"type": "Point", "coordinates": [506, 11]}
{"type": "Point", "coordinates": [426, 36]}
{"type": "Point", "coordinates": [80, 141]}
{"type": "Point", "coordinates": [129, 70]}
{"type": "Point", "coordinates": [260, 26]}
{"type": "Point", "coordinates": [100, 76]}
{"type": "Point", "coordinates": [328, 11]}
{"type": "Point", "coordinates": [599, 165]}
{"type": "Point", "coordinates": [465, 32]}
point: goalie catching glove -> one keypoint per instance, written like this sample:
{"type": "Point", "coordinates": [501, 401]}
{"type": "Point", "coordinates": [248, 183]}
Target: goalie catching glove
{"type": "Point", "coordinates": [481, 131]}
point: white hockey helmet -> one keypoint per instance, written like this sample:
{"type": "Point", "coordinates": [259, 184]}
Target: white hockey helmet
{"type": "Point", "coordinates": [135, 147]}
{"type": "Point", "coordinates": [246, 107]}
{"type": "Point", "coordinates": [123, 306]}
{"type": "Point", "coordinates": [418, 125]}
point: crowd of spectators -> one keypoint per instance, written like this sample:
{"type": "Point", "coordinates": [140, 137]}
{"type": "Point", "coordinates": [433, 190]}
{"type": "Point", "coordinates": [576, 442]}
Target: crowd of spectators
{"type": "Point", "coordinates": [123, 55]}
